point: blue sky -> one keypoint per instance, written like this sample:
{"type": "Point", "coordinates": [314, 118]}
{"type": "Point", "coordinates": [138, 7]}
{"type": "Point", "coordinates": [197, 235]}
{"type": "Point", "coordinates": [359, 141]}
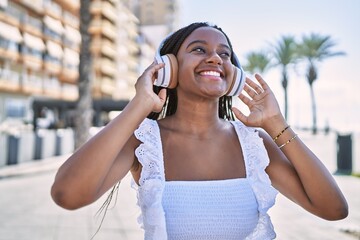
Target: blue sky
{"type": "Point", "coordinates": [252, 25]}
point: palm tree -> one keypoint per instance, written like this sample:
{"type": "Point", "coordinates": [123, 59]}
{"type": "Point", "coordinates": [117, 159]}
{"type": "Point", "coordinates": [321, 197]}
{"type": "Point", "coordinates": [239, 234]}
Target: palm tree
{"type": "Point", "coordinates": [257, 62]}
{"type": "Point", "coordinates": [284, 52]}
{"type": "Point", "coordinates": [83, 118]}
{"type": "Point", "coordinates": [314, 48]}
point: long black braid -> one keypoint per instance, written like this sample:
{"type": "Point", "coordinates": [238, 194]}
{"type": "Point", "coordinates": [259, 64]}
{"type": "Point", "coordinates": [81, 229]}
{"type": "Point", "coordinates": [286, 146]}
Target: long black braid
{"type": "Point", "coordinates": [172, 45]}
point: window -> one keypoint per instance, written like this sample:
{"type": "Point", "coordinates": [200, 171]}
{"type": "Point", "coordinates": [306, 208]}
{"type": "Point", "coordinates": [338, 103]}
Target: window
{"type": "Point", "coordinates": [15, 108]}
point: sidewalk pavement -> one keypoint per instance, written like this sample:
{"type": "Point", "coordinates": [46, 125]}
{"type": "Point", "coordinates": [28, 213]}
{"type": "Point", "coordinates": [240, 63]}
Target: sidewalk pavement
{"type": "Point", "coordinates": [27, 211]}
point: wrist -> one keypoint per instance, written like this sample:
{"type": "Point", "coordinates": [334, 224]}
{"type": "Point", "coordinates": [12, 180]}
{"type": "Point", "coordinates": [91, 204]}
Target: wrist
{"type": "Point", "coordinates": [275, 125]}
{"type": "Point", "coordinates": [143, 102]}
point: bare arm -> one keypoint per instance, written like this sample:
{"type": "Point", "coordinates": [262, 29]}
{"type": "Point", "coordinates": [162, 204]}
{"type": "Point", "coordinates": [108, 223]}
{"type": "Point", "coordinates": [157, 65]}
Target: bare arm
{"type": "Point", "coordinates": [109, 155]}
{"type": "Point", "coordinates": [294, 169]}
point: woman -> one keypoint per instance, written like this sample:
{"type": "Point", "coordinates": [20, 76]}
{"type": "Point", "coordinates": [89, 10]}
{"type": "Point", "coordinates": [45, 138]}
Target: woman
{"type": "Point", "coordinates": [199, 173]}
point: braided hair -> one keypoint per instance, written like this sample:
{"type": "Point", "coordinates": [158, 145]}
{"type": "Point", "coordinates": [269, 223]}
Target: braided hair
{"type": "Point", "coordinates": [172, 45]}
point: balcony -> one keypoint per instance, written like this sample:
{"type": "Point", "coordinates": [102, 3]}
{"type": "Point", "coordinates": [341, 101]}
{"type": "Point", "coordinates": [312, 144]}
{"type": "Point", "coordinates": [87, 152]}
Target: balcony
{"type": "Point", "coordinates": [10, 38]}
{"type": "Point", "coordinates": [34, 5]}
{"type": "Point", "coordinates": [52, 88]}
{"type": "Point", "coordinates": [100, 26]}
{"type": "Point", "coordinates": [12, 15]}
{"type": "Point", "coordinates": [107, 86]}
{"type": "Point", "coordinates": [103, 46]}
{"type": "Point", "coordinates": [69, 75]}
{"type": "Point", "coordinates": [105, 66]}
{"type": "Point", "coordinates": [72, 37]}
{"type": "Point", "coordinates": [52, 9]}
{"type": "Point", "coordinates": [53, 58]}
{"type": "Point", "coordinates": [32, 52]}
{"type": "Point", "coordinates": [54, 24]}
{"type": "Point", "coordinates": [9, 80]}
{"type": "Point", "coordinates": [32, 25]}
{"type": "Point", "coordinates": [69, 92]}
{"type": "Point", "coordinates": [32, 62]}
{"type": "Point", "coordinates": [70, 69]}
{"type": "Point", "coordinates": [104, 8]}
{"type": "Point", "coordinates": [32, 84]}
{"type": "Point", "coordinates": [71, 19]}
{"type": "Point", "coordinates": [72, 6]}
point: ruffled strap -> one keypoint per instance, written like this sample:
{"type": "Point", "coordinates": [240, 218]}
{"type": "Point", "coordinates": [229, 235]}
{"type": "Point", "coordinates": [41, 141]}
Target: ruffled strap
{"type": "Point", "coordinates": [256, 160]}
{"type": "Point", "coordinates": [152, 180]}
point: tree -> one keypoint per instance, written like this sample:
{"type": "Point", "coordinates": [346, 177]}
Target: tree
{"type": "Point", "coordinates": [314, 48]}
{"type": "Point", "coordinates": [84, 113]}
{"type": "Point", "coordinates": [284, 52]}
{"type": "Point", "coordinates": [257, 62]}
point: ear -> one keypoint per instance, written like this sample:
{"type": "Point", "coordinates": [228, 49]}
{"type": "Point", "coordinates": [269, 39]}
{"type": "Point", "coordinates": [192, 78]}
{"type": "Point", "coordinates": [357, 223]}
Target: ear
{"type": "Point", "coordinates": [168, 75]}
{"type": "Point", "coordinates": [237, 82]}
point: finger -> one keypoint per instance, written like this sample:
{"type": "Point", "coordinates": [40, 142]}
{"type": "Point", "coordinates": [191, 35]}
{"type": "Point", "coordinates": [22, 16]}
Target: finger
{"type": "Point", "coordinates": [245, 99]}
{"type": "Point", "coordinates": [250, 91]}
{"type": "Point", "coordinates": [262, 82]}
{"type": "Point", "coordinates": [239, 115]}
{"type": "Point", "coordinates": [162, 99]}
{"type": "Point", "coordinates": [162, 96]}
{"type": "Point", "coordinates": [258, 89]}
{"type": "Point", "coordinates": [152, 69]}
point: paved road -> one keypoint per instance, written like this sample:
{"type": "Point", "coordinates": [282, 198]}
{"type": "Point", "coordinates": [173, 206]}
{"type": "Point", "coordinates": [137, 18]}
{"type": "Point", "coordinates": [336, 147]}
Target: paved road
{"type": "Point", "coordinates": [28, 213]}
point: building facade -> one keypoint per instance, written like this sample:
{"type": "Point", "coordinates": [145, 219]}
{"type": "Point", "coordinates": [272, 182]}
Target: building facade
{"type": "Point", "coordinates": [157, 18]}
{"type": "Point", "coordinates": [39, 59]}
{"type": "Point", "coordinates": [40, 47]}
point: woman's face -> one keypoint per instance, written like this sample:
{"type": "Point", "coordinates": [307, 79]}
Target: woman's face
{"type": "Point", "coordinates": [204, 61]}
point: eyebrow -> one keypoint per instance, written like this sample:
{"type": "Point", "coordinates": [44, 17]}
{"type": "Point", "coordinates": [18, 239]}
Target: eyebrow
{"type": "Point", "coordinates": [204, 42]}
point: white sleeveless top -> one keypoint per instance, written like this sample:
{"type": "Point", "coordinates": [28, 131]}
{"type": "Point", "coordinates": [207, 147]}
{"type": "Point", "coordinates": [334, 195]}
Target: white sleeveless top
{"type": "Point", "coordinates": [219, 209]}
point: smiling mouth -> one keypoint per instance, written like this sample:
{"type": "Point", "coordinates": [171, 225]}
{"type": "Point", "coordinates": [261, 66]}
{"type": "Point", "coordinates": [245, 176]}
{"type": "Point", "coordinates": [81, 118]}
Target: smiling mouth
{"type": "Point", "coordinates": [210, 73]}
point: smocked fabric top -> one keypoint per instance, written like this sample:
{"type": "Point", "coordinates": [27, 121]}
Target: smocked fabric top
{"type": "Point", "coordinates": [154, 191]}
{"type": "Point", "coordinates": [209, 210]}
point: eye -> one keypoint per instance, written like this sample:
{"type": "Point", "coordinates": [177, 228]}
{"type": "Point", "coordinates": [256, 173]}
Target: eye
{"type": "Point", "coordinates": [198, 50]}
{"type": "Point", "coordinates": [225, 55]}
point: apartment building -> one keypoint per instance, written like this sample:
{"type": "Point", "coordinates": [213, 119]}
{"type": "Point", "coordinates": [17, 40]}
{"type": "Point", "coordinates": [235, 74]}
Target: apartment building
{"type": "Point", "coordinates": [157, 18]}
{"type": "Point", "coordinates": [40, 47]}
{"type": "Point", "coordinates": [39, 59]}
{"type": "Point", "coordinates": [39, 53]}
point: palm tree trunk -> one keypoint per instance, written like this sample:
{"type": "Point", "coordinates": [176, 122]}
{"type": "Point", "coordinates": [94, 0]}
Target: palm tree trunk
{"type": "Point", "coordinates": [313, 107]}
{"type": "Point", "coordinates": [284, 85]}
{"type": "Point", "coordinates": [84, 113]}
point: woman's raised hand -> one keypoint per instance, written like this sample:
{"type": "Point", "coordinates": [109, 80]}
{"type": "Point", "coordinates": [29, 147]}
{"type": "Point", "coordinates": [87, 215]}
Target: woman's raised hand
{"type": "Point", "coordinates": [144, 88]}
{"type": "Point", "coordinates": [263, 106]}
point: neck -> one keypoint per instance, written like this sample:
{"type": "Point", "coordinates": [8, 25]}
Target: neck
{"type": "Point", "coordinates": [197, 117]}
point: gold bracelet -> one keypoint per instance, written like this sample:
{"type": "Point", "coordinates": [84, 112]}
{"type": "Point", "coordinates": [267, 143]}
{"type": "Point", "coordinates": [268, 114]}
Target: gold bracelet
{"type": "Point", "coordinates": [276, 138]}
{"type": "Point", "coordinates": [288, 141]}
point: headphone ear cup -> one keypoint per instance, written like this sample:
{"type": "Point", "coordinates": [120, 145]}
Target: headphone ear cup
{"type": "Point", "coordinates": [237, 82]}
{"type": "Point", "coordinates": [167, 76]}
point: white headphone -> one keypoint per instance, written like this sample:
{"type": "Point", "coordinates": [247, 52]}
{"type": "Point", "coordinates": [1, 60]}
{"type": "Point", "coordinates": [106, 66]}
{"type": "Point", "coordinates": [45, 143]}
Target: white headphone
{"type": "Point", "coordinates": [167, 76]}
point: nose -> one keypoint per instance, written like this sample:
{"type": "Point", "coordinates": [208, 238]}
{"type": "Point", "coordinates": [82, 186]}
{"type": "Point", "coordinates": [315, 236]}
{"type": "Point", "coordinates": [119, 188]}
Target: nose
{"type": "Point", "coordinates": [214, 58]}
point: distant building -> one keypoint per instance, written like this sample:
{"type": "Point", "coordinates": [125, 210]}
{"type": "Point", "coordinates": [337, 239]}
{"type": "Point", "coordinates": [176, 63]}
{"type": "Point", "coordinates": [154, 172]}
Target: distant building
{"type": "Point", "coordinates": [40, 46]}
{"type": "Point", "coordinates": [157, 18]}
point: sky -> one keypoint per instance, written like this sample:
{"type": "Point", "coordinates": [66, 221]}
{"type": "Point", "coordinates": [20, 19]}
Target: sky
{"type": "Point", "coordinates": [255, 25]}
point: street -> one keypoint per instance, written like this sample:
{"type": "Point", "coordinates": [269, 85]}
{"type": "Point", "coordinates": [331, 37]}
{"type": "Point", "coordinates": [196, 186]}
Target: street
{"type": "Point", "coordinates": [28, 213]}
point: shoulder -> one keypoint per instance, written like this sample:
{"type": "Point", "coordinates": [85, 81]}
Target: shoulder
{"type": "Point", "coordinates": [147, 126]}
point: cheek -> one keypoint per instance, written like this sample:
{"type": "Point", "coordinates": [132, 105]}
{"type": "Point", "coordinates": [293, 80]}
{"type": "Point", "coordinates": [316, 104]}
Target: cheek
{"type": "Point", "coordinates": [185, 72]}
{"type": "Point", "coordinates": [229, 70]}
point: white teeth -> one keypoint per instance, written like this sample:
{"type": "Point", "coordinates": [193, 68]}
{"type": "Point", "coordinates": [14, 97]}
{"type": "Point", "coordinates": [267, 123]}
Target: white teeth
{"type": "Point", "coordinates": [211, 73]}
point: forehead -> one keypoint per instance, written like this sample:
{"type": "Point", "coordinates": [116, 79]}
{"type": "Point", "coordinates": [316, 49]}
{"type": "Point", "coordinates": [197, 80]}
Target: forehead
{"type": "Point", "coordinates": [207, 34]}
